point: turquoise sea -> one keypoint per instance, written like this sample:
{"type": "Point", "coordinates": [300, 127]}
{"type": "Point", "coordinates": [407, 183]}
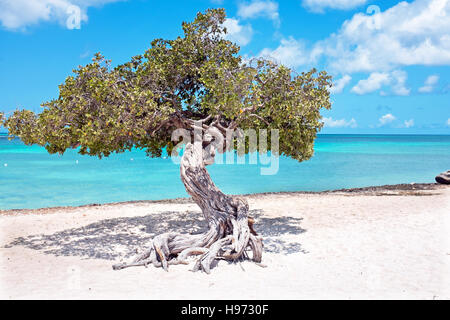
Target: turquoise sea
{"type": "Point", "coordinates": [31, 178]}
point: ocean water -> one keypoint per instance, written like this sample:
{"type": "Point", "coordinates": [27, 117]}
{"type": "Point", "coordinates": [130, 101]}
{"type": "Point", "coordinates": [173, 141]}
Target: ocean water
{"type": "Point", "coordinates": [31, 178]}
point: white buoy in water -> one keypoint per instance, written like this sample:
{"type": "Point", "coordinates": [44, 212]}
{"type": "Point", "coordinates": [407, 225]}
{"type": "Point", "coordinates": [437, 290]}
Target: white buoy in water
{"type": "Point", "coordinates": [132, 159]}
{"type": "Point", "coordinates": [5, 164]}
{"type": "Point", "coordinates": [76, 162]}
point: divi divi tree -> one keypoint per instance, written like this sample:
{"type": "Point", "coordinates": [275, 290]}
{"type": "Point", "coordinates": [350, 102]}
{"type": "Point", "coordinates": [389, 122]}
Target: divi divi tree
{"type": "Point", "coordinates": [197, 83]}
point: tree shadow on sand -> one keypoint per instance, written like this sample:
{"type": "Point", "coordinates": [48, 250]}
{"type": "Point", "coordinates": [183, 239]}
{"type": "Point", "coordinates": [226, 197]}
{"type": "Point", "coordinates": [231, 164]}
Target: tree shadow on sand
{"type": "Point", "coordinates": [117, 238]}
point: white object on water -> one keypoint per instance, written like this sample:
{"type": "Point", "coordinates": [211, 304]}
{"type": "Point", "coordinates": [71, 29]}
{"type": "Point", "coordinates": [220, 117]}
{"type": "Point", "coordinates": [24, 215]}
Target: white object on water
{"type": "Point", "coordinates": [131, 159]}
{"type": "Point", "coordinates": [76, 162]}
{"type": "Point", "coordinates": [5, 164]}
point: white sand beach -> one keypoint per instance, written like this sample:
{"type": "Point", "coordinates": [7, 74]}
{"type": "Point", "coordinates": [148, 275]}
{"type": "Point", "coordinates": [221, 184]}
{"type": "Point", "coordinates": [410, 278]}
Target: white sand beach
{"type": "Point", "coordinates": [381, 243]}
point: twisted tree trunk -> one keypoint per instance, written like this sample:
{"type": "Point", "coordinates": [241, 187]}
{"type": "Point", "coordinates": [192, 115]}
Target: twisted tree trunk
{"type": "Point", "coordinates": [230, 231]}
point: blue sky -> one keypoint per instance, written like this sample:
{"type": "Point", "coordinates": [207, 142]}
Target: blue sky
{"type": "Point", "coordinates": [390, 60]}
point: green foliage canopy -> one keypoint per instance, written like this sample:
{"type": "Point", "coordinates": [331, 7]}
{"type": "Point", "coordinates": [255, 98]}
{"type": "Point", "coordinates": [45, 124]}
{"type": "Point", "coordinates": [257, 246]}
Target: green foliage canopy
{"type": "Point", "coordinates": [197, 76]}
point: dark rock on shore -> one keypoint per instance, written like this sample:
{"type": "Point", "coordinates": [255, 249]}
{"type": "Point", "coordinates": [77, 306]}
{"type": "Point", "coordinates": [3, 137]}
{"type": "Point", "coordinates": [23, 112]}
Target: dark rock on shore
{"type": "Point", "coordinates": [443, 178]}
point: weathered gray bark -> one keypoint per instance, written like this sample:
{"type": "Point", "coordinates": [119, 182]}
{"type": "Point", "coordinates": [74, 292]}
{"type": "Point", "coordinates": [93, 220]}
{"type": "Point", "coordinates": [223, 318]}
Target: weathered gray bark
{"type": "Point", "coordinates": [230, 235]}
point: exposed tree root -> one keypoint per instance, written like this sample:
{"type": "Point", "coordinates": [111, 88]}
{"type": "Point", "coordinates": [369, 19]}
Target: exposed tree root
{"type": "Point", "coordinates": [165, 250]}
{"type": "Point", "coordinates": [230, 236]}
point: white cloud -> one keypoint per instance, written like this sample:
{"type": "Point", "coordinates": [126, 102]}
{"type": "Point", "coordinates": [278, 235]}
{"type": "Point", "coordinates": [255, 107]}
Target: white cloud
{"type": "Point", "coordinates": [290, 52]}
{"type": "Point", "coordinates": [238, 33]}
{"type": "Point", "coordinates": [409, 123]}
{"type": "Point", "coordinates": [399, 79]}
{"type": "Point", "coordinates": [260, 8]}
{"type": "Point", "coordinates": [339, 85]}
{"type": "Point", "coordinates": [429, 84]}
{"type": "Point", "coordinates": [376, 80]}
{"type": "Point", "coordinates": [320, 5]}
{"type": "Point", "coordinates": [409, 33]}
{"type": "Point", "coordinates": [387, 118]}
{"type": "Point", "coordinates": [18, 14]}
{"type": "Point", "coordinates": [416, 33]}
{"type": "Point", "coordinates": [342, 123]}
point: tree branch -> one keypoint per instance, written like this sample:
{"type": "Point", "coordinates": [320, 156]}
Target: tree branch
{"type": "Point", "coordinates": [260, 118]}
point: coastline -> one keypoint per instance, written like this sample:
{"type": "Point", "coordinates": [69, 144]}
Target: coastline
{"type": "Point", "coordinates": [403, 189]}
{"type": "Point", "coordinates": [340, 161]}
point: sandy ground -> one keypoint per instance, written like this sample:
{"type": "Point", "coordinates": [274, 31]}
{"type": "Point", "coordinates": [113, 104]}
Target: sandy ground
{"type": "Point", "coordinates": [379, 244]}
